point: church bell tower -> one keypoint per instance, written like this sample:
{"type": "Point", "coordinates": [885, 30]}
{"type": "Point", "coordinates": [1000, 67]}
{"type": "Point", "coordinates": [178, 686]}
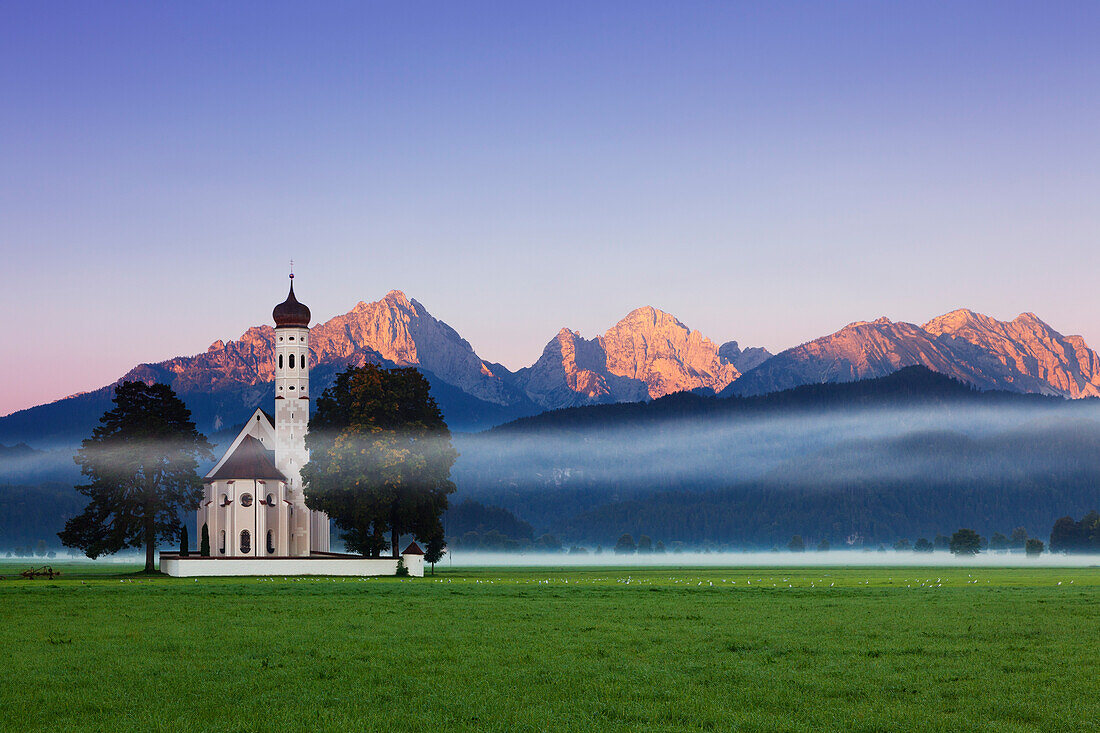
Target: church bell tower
{"type": "Point", "coordinates": [308, 530]}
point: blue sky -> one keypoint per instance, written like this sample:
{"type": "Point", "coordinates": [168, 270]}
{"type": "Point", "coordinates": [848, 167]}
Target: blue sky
{"type": "Point", "coordinates": [766, 172]}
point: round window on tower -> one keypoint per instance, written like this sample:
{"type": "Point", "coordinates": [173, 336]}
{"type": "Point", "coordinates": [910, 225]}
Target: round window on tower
{"type": "Point", "coordinates": [246, 499]}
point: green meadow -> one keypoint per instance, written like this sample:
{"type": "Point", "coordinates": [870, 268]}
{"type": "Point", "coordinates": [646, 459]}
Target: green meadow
{"type": "Point", "coordinates": [542, 649]}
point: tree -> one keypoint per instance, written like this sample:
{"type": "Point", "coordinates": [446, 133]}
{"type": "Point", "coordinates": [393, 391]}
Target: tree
{"type": "Point", "coordinates": [941, 542]}
{"type": "Point", "coordinates": [998, 542]}
{"type": "Point", "coordinates": [1065, 536]}
{"type": "Point", "coordinates": [380, 458]}
{"type": "Point", "coordinates": [40, 549]}
{"type": "Point", "coordinates": [434, 549]}
{"type": "Point", "coordinates": [659, 548]}
{"type": "Point", "coordinates": [923, 545]}
{"type": "Point", "coordinates": [796, 544]}
{"type": "Point", "coordinates": [142, 460]}
{"type": "Point", "coordinates": [966, 542]}
{"type": "Point", "coordinates": [204, 543]}
{"type": "Point", "coordinates": [645, 545]}
{"type": "Point", "coordinates": [184, 550]}
{"type": "Point", "coordinates": [1018, 539]}
{"type": "Point", "coordinates": [1034, 547]}
{"type": "Point", "coordinates": [1090, 532]}
{"type": "Point", "coordinates": [625, 545]}
{"type": "Point", "coordinates": [902, 545]}
{"type": "Point", "coordinates": [823, 546]}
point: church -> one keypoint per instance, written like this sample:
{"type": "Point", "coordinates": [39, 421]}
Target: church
{"type": "Point", "coordinates": [253, 505]}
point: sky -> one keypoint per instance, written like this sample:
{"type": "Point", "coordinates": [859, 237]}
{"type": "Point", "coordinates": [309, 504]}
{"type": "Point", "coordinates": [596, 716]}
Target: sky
{"type": "Point", "coordinates": [767, 172]}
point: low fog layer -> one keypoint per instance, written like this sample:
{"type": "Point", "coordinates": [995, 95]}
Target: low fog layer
{"type": "Point", "coordinates": [718, 451]}
{"type": "Point", "coordinates": [831, 558]}
{"type": "Point", "coordinates": [844, 476]}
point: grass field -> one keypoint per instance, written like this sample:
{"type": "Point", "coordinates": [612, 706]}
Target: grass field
{"type": "Point", "coordinates": [763, 649]}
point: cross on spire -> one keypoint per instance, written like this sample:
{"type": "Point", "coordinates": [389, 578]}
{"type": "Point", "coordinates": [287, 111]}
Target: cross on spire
{"type": "Point", "coordinates": [292, 269]}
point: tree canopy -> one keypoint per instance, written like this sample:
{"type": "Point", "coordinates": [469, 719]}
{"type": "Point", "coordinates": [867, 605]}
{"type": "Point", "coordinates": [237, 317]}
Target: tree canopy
{"type": "Point", "coordinates": [142, 460]}
{"type": "Point", "coordinates": [380, 458]}
{"type": "Point", "coordinates": [966, 542]}
{"type": "Point", "coordinates": [1068, 535]}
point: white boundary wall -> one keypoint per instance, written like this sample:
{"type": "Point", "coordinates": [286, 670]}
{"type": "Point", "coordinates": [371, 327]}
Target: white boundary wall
{"type": "Point", "coordinates": [190, 567]}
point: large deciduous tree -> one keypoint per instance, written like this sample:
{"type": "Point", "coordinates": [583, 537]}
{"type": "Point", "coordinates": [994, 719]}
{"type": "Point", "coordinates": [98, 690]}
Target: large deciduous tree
{"type": "Point", "coordinates": [380, 458]}
{"type": "Point", "coordinates": [142, 460]}
{"type": "Point", "coordinates": [966, 542]}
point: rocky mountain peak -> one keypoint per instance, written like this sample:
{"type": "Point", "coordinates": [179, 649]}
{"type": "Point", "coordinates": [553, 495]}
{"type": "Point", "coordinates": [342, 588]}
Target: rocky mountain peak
{"type": "Point", "coordinates": [1031, 355]}
{"type": "Point", "coordinates": [750, 358]}
{"type": "Point", "coordinates": [649, 353]}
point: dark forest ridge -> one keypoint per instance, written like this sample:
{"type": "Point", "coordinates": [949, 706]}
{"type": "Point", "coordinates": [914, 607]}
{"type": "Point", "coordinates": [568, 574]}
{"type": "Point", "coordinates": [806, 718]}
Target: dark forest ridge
{"type": "Point", "coordinates": [914, 386]}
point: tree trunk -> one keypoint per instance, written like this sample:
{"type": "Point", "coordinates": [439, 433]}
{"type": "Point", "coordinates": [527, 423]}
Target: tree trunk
{"type": "Point", "coordinates": [396, 536]}
{"type": "Point", "coordinates": [150, 540]}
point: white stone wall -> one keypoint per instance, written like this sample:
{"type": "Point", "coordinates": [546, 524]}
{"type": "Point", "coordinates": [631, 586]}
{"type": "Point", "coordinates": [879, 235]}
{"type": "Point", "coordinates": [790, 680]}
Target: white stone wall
{"type": "Point", "coordinates": [207, 567]}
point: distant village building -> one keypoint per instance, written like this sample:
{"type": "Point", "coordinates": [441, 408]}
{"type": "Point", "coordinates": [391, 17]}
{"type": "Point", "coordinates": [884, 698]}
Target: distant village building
{"type": "Point", "coordinates": [253, 501]}
{"type": "Point", "coordinates": [254, 505]}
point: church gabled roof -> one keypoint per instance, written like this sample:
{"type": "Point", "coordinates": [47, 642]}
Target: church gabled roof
{"type": "Point", "coordinates": [250, 460]}
{"type": "Point", "coordinates": [413, 549]}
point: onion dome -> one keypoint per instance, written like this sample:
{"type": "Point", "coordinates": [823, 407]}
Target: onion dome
{"type": "Point", "coordinates": [290, 312]}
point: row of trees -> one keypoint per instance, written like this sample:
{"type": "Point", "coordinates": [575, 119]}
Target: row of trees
{"type": "Point", "coordinates": [39, 550]}
{"type": "Point", "coordinates": [626, 546]}
{"type": "Point", "coordinates": [1068, 535]}
{"type": "Point", "coordinates": [962, 542]}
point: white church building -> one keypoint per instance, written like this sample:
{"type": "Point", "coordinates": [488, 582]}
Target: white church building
{"type": "Point", "coordinates": [253, 504]}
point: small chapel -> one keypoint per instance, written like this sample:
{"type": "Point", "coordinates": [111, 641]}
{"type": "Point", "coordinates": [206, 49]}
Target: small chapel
{"type": "Point", "coordinates": [253, 501]}
{"type": "Point", "coordinates": [254, 505]}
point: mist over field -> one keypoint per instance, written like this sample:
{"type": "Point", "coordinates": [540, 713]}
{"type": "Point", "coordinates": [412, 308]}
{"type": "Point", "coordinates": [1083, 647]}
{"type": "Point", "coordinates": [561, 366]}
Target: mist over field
{"type": "Point", "coordinates": [880, 443]}
{"type": "Point", "coordinates": [705, 473]}
{"type": "Point", "coordinates": [852, 476]}
{"type": "Point", "coordinates": [831, 558]}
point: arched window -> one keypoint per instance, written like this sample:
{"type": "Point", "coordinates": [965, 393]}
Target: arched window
{"type": "Point", "coordinates": [292, 361]}
{"type": "Point", "coordinates": [271, 500]}
{"type": "Point", "coordinates": [246, 542]}
{"type": "Point", "coordinates": [303, 360]}
{"type": "Point", "coordinates": [221, 543]}
{"type": "Point", "coordinates": [225, 499]}
{"type": "Point", "coordinates": [270, 542]}
{"type": "Point", "coordinates": [280, 361]}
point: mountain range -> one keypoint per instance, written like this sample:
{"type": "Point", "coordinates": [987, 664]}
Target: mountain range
{"type": "Point", "coordinates": [646, 355]}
